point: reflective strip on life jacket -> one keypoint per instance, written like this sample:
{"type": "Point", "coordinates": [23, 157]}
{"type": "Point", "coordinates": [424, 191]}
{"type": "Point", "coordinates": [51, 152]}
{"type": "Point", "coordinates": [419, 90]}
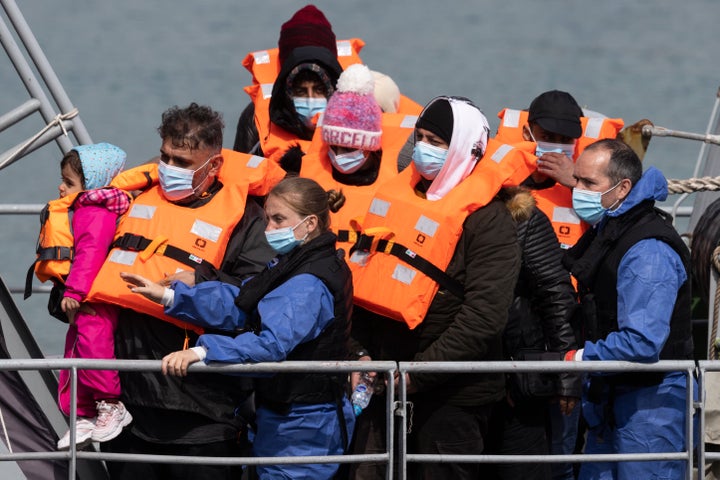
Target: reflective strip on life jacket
{"type": "Point", "coordinates": [153, 227]}
{"type": "Point", "coordinates": [265, 66]}
{"type": "Point", "coordinates": [396, 129]}
{"type": "Point", "coordinates": [389, 286]}
{"type": "Point", "coordinates": [593, 128]}
{"type": "Point", "coordinates": [556, 203]}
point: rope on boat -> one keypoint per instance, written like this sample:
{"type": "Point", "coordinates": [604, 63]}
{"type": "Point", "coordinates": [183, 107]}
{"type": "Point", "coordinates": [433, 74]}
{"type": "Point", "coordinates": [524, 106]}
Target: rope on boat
{"type": "Point", "coordinates": [7, 437]}
{"type": "Point", "coordinates": [693, 185]}
{"type": "Point", "coordinates": [715, 342]}
{"type": "Point", "coordinates": [58, 120]}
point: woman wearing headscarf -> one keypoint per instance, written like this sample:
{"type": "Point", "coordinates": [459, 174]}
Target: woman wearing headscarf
{"type": "Point", "coordinates": [434, 273]}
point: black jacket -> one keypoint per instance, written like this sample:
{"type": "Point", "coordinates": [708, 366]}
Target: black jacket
{"type": "Point", "coordinates": [545, 300]}
{"type": "Point", "coordinates": [319, 258]}
{"type": "Point", "coordinates": [595, 259]}
{"type": "Point", "coordinates": [196, 408]}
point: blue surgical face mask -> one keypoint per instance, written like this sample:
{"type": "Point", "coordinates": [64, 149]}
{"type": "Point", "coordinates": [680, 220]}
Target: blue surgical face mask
{"type": "Point", "coordinates": [588, 204]}
{"type": "Point", "coordinates": [176, 183]}
{"type": "Point", "coordinates": [308, 107]}
{"type": "Point", "coordinates": [428, 159]}
{"type": "Point", "coordinates": [283, 240]}
{"type": "Point", "coordinates": [548, 147]}
{"type": "Point", "coordinates": [349, 162]}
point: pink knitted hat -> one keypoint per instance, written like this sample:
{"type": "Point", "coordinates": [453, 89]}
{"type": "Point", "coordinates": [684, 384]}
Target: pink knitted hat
{"type": "Point", "coordinates": [353, 117]}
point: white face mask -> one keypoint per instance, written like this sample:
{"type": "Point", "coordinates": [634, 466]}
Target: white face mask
{"type": "Point", "coordinates": [349, 162]}
{"type": "Point", "coordinates": [429, 159]}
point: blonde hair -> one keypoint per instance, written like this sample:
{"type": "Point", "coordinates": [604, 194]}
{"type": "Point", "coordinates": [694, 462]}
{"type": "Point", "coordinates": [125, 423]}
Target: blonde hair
{"type": "Point", "coordinates": [306, 197]}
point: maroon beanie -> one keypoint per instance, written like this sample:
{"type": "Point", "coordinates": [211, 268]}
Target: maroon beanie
{"type": "Point", "coordinates": [308, 27]}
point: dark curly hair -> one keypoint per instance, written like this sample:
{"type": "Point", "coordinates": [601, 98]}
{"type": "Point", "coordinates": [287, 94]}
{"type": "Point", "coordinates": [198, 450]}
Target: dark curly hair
{"type": "Point", "coordinates": [195, 126]}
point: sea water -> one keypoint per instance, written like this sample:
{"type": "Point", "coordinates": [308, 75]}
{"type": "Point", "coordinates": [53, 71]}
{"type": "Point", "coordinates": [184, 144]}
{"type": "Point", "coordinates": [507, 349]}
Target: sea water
{"type": "Point", "coordinates": [123, 63]}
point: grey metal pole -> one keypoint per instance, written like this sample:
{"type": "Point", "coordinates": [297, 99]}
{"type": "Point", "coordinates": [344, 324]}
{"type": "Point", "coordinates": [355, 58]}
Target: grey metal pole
{"type": "Point", "coordinates": [28, 78]}
{"type": "Point", "coordinates": [45, 69]}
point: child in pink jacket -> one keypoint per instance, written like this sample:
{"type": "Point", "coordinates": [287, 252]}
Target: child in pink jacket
{"type": "Point", "coordinates": [86, 169]}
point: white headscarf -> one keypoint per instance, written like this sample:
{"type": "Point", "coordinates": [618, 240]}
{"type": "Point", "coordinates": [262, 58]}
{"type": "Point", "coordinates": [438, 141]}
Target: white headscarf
{"type": "Point", "coordinates": [470, 132]}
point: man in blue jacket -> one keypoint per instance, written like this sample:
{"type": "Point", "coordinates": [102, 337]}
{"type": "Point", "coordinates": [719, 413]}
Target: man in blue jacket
{"type": "Point", "coordinates": [632, 277]}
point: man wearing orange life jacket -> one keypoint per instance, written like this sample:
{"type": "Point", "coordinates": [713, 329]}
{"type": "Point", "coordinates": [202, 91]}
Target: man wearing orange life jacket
{"type": "Point", "coordinates": [556, 123]}
{"type": "Point", "coordinates": [198, 223]}
{"type": "Point", "coordinates": [445, 202]}
{"type": "Point", "coordinates": [355, 148]}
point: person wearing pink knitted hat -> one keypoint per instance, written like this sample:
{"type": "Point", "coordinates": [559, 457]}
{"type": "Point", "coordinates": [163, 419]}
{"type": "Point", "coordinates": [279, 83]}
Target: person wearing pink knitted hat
{"type": "Point", "coordinates": [355, 147]}
{"type": "Point", "coordinates": [352, 125]}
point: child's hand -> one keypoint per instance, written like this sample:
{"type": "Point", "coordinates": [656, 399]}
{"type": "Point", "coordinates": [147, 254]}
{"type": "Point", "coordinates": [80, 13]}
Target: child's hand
{"type": "Point", "coordinates": [177, 363]}
{"type": "Point", "coordinates": [70, 306]}
{"type": "Point", "coordinates": [137, 284]}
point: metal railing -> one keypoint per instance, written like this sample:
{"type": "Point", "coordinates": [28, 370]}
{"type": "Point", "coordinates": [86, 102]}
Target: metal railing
{"type": "Point", "coordinates": [394, 408]}
{"type": "Point", "coordinates": [57, 111]}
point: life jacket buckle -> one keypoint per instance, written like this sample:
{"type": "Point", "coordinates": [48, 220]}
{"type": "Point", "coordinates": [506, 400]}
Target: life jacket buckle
{"type": "Point", "coordinates": [131, 242]}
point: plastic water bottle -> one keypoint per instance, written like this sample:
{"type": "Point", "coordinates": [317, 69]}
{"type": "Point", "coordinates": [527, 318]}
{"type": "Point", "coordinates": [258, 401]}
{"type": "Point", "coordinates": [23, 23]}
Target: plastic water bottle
{"type": "Point", "coordinates": [362, 393]}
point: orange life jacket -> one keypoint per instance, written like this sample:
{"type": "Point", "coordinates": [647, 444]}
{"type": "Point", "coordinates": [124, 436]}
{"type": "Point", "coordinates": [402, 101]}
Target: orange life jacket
{"type": "Point", "coordinates": [265, 67]}
{"type": "Point", "coordinates": [593, 128]}
{"type": "Point", "coordinates": [55, 247]}
{"type": "Point", "coordinates": [396, 128]}
{"type": "Point", "coordinates": [556, 202]}
{"type": "Point", "coordinates": [156, 237]}
{"type": "Point", "coordinates": [407, 241]}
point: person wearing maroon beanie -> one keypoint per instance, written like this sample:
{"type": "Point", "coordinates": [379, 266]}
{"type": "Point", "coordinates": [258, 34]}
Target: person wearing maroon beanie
{"type": "Point", "coordinates": [307, 27]}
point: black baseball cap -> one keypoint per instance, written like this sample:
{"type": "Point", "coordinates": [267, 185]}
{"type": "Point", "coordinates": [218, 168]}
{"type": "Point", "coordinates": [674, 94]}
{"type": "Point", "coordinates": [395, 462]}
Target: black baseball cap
{"type": "Point", "coordinates": [557, 112]}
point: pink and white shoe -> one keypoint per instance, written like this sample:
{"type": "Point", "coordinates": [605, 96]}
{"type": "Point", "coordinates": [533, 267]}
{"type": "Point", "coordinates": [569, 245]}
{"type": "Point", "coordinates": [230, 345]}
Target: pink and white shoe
{"type": "Point", "coordinates": [84, 428]}
{"type": "Point", "coordinates": [112, 418]}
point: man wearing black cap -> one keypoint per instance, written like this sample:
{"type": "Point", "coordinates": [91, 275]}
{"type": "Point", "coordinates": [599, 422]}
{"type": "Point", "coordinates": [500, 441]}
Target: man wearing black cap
{"type": "Point", "coordinates": [554, 124]}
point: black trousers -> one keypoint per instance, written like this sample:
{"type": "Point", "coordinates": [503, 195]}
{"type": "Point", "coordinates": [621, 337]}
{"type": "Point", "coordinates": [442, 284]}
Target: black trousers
{"type": "Point", "coordinates": [436, 429]}
{"type": "Point", "coordinates": [129, 443]}
{"type": "Point", "coordinates": [450, 430]}
{"type": "Point", "coordinates": [519, 430]}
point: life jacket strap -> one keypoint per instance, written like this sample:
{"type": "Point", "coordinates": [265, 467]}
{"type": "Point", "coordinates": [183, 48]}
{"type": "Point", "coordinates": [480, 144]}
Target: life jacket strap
{"type": "Point", "coordinates": [138, 243]}
{"type": "Point", "coordinates": [348, 236]}
{"type": "Point", "coordinates": [368, 243]}
{"type": "Point", "coordinates": [55, 253]}
{"type": "Point", "coordinates": [47, 253]}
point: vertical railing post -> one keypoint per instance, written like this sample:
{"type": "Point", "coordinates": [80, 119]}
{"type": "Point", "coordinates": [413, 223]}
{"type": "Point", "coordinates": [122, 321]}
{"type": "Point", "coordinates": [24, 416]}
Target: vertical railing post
{"type": "Point", "coordinates": [690, 415]}
{"type": "Point", "coordinates": [403, 425]}
{"type": "Point", "coordinates": [73, 420]}
{"type": "Point", "coordinates": [390, 424]}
